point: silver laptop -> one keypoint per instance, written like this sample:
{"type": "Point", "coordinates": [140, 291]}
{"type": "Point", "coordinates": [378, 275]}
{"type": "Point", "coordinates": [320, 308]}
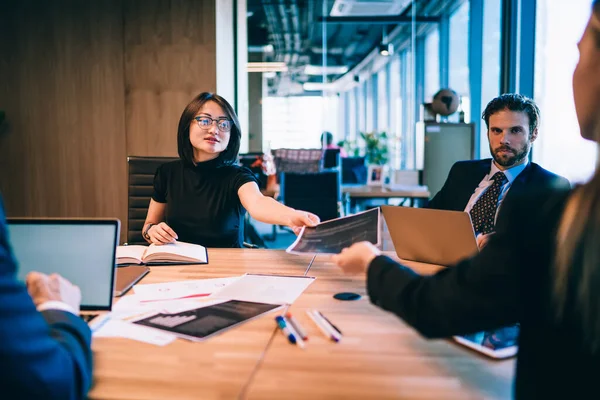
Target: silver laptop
{"type": "Point", "coordinates": [81, 250]}
{"type": "Point", "coordinates": [430, 236]}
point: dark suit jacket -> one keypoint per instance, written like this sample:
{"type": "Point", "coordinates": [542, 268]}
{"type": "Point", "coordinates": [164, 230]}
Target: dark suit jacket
{"type": "Point", "coordinates": [465, 176]}
{"type": "Point", "coordinates": [43, 355]}
{"type": "Point", "coordinates": [508, 282]}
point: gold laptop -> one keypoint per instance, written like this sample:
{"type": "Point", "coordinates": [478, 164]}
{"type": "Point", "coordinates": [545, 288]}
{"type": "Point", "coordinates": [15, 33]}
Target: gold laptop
{"type": "Point", "coordinates": [430, 236]}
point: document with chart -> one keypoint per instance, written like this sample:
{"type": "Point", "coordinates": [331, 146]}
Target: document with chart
{"type": "Point", "coordinates": [334, 235]}
{"type": "Point", "coordinates": [200, 323]}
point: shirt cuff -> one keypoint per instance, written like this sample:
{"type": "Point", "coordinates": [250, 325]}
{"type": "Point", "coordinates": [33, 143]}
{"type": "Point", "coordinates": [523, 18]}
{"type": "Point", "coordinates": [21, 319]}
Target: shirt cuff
{"type": "Point", "coordinates": [56, 305]}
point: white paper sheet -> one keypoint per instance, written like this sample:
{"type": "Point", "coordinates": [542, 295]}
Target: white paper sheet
{"type": "Point", "coordinates": [129, 307]}
{"type": "Point", "coordinates": [273, 289]}
{"type": "Point", "coordinates": [181, 289]}
{"type": "Point", "coordinates": [106, 326]}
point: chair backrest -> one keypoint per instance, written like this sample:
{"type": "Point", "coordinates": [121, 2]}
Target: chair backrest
{"type": "Point", "coordinates": [140, 185]}
{"type": "Point", "coordinates": [354, 170]}
{"type": "Point", "coordinates": [331, 158]}
{"type": "Point", "coordinates": [317, 192]}
{"type": "Point", "coordinates": [298, 160]}
{"type": "Point", "coordinates": [247, 160]}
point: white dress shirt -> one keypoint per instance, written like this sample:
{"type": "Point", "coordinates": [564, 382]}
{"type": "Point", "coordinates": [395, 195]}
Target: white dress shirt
{"type": "Point", "coordinates": [56, 305]}
{"type": "Point", "coordinates": [511, 174]}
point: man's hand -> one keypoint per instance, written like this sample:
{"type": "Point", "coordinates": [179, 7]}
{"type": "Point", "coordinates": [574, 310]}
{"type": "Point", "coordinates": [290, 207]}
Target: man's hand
{"type": "Point", "coordinates": [300, 219]}
{"type": "Point", "coordinates": [162, 234]}
{"type": "Point", "coordinates": [356, 258]}
{"type": "Point", "coordinates": [43, 288]}
{"type": "Point", "coordinates": [482, 240]}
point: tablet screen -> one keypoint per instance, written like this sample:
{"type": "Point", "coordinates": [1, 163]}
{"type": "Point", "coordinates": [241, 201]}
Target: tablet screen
{"type": "Point", "coordinates": [498, 343]}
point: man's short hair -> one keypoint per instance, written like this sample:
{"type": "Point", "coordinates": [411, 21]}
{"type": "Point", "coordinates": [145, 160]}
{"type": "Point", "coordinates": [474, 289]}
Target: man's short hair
{"type": "Point", "coordinates": [513, 102]}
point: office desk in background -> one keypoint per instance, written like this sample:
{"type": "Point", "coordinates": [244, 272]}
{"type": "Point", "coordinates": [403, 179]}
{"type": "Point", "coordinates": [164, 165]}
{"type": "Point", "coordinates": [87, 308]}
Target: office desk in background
{"type": "Point", "coordinates": [354, 194]}
{"type": "Point", "coordinates": [378, 357]}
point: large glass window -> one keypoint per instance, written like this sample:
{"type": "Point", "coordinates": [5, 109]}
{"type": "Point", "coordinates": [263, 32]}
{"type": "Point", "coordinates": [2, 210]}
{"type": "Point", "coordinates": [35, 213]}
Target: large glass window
{"type": "Point", "coordinates": [559, 146]}
{"type": "Point", "coordinates": [432, 64]}
{"type": "Point", "coordinates": [490, 73]}
{"type": "Point", "coordinates": [361, 95]}
{"type": "Point", "coordinates": [383, 106]}
{"type": "Point", "coordinates": [458, 57]}
{"type": "Point", "coordinates": [297, 122]}
{"type": "Point", "coordinates": [351, 114]}
{"type": "Point", "coordinates": [370, 98]}
{"type": "Point", "coordinates": [396, 133]}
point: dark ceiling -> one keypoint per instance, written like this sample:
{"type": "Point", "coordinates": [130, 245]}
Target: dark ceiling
{"type": "Point", "coordinates": [295, 30]}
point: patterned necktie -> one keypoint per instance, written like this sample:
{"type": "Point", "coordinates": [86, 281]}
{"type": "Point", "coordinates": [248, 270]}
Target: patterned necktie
{"type": "Point", "coordinates": [484, 209]}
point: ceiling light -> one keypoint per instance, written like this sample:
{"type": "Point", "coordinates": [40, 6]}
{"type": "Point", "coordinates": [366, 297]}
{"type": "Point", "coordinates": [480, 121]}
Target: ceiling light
{"type": "Point", "coordinates": [266, 67]}
{"type": "Point", "coordinates": [386, 49]}
{"type": "Point", "coordinates": [327, 70]}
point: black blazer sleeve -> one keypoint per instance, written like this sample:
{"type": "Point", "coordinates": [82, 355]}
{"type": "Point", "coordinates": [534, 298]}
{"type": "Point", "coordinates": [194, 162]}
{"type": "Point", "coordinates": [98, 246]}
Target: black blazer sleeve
{"type": "Point", "coordinates": [484, 292]}
{"type": "Point", "coordinates": [42, 355]}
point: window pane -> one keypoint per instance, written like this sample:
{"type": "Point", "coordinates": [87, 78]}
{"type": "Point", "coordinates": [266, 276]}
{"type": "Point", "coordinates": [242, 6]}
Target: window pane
{"type": "Point", "coordinates": [297, 122]}
{"type": "Point", "coordinates": [395, 112]}
{"type": "Point", "coordinates": [458, 58]}
{"type": "Point", "coordinates": [432, 64]}
{"type": "Point", "coordinates": [490, 73]}
{"type": "Point", "coordinates": [382, 101]}
{"type": "Point", "coordinates": [559, 147]}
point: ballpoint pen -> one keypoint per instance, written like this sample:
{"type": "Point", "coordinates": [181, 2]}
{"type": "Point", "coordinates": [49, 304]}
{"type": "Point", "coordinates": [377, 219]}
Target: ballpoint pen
{"type": "Point", "coordinates": [330, 333]}
{"type": "Point", "coordinates": [296, 325]}
{"type": "Point", "coordinates": [329, 322]}
{"type": "Point", "coordinates": [284, 328]}
{"type": "Point", "coordinates": [292, 329]}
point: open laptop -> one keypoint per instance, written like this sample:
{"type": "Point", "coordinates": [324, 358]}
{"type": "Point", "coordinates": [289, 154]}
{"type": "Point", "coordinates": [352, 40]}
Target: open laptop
{"type": "Point", "coordinates": [429, 236]}
{"type": "Point", "coordinates": [80, 250]}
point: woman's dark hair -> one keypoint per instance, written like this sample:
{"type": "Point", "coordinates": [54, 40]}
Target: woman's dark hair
{"type": "Point", "coordinates": [184, 146]}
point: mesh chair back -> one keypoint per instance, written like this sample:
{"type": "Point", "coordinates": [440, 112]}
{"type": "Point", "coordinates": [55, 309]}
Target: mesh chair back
{"type": "Point", "coordinates": [140, 185]}
{"type": "Point", "coordinates": [298, 160]}
{"type": "Point", "coordinates": [317, 192]}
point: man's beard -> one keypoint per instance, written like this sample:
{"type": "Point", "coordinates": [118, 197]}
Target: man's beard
{"type": "Point", "coordinates": [508, 160]}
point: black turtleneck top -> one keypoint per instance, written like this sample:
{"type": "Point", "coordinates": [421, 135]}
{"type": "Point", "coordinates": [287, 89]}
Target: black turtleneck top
{"type": "Point", "coordinates": [203, 206]}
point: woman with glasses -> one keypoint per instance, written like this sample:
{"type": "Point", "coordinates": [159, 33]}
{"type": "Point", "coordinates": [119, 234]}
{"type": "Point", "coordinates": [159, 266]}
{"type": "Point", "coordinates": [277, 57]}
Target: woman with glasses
{"type": "Point", "coordinates": [202, 197]}
{"type": "Point", "coordinates": [544, 275]}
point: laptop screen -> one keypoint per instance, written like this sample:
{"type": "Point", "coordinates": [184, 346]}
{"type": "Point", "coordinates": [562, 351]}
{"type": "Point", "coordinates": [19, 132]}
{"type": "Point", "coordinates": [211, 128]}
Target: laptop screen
{"type": "Point", "coordinates": [82, 251]}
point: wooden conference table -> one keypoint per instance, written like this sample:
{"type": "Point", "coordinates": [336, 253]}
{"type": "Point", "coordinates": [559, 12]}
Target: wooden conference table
{"type": "Point", "coordinates": [378, 357]}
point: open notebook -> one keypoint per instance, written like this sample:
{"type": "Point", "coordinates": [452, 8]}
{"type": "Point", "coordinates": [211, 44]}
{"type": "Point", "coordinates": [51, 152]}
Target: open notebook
{"type": "Point", "coordinates": [172, 253]}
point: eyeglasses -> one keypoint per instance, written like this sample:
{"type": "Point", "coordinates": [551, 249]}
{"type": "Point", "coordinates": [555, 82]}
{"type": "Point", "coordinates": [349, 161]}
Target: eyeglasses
{"type": "Point", "coordinates": [223, 124]}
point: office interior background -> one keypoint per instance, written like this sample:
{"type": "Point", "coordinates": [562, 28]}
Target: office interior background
{"type": "Point", "coordinates": [84, 85]}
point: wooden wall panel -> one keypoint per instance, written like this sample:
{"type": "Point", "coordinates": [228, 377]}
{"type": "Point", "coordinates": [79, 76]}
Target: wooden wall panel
{"type": "Point", "coordinates": [169, 58]}
{"type": "Point", "coordinates": [61, 69]}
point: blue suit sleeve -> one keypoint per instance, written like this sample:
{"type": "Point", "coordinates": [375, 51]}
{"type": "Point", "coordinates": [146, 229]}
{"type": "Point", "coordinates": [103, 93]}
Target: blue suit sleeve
{"type": "Point", "coordinates": [42, 355]}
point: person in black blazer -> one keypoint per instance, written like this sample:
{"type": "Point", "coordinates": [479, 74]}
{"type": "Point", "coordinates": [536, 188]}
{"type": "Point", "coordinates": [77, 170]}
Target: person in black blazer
{"type": "Point", "coordinates": [543, 274]}
{"type": "Point", "coordinates": [512, 121]}
{"type": "Point", "coordinates": [45, 352]}
{"type": "Point", "coordinates": [465, 176]}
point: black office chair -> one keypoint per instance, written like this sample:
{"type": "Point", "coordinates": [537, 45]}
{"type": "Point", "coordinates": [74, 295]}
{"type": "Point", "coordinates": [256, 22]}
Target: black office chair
{"type": "Point", "coordinates": [331, 158]}
{"type": "Point", "coordinates": [141, 172]}
{"type": "Point", "coordinates": [316, 192]}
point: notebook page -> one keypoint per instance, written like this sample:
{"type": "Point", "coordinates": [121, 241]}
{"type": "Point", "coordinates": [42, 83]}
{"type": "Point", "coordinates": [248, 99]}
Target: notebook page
{"type": "Point", "coordinates": [130, 254]}
{"type": "Point", "coordinates": [181, 250]}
